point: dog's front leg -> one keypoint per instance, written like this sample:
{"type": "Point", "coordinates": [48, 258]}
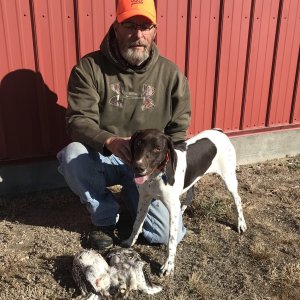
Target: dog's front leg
{"type": "Point", "coordinates": [173, 205]}
{"type": "Point", "coordinates": [143, 206]}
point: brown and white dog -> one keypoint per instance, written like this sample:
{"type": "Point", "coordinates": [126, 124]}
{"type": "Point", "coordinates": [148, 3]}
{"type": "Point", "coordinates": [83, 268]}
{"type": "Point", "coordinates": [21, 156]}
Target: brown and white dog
{"type": "Point", "coordinates": [164, 172]}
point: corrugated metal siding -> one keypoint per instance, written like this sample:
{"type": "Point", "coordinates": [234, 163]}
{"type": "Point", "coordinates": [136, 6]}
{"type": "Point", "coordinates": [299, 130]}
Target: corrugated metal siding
{"type": "Point", "coordinates": [285, 66]}
{"type": "Point", "coordinates": [18, 109]}
{"type": "Point", "coordinates": [241, 59]}
{"type": "Point", "coordinates": [260, 61]}
{"type": "Point", "coordinates": [94, 20]}
{"type": "Point", "coordinates": [202, 58]}
{"type": "Point", "coordinates": [233, 53]}
{"type": "Point", "coordinates": [172, 22]}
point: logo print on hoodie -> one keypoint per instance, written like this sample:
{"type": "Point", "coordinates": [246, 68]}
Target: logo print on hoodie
{"type": "Point", "coordinates": [121, 96]}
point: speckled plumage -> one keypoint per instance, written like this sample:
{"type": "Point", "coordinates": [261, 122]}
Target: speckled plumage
{"type": "Point", "coordinates": [123, 273]}
{"type": "Point", "coordinates": [127, 272]}
{"type": "Point", "coordinates": [91, 274]}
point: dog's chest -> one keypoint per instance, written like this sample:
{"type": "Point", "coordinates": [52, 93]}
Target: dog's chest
{"type": "Point", "coordinates": [154, 187]}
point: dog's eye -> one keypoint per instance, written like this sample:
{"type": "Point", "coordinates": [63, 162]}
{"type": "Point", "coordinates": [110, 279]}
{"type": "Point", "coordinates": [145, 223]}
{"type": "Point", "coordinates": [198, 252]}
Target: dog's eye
{"type": "Point", "coordinates": [156, 149]}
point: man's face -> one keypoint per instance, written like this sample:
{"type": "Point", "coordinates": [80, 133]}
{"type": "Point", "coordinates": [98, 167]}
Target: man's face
{"type": "Point", "coordinates": [135, 42]}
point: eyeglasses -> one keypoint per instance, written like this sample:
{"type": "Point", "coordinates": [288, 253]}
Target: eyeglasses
{"type": "Point", "coordinates": [133, 26]}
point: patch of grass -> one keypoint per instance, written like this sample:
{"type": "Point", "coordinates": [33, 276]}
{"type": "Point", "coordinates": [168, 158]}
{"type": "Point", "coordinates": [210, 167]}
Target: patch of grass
{"type": "Point", "coordinates": [288, 274]}
{"type": "Point", "coordinates": [260, 251]}
{"type": "Point", "coordinates": [213, 208]}
{"type": "Point", "coordinates": [196, 284]}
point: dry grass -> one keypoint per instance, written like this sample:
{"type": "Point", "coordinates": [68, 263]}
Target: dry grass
{"type": "Point", "coordinates": [41, 232]}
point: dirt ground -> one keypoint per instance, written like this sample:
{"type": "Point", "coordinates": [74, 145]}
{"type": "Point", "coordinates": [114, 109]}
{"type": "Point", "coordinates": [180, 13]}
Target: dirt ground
{"type": "Point", "coordinates": [41, 232]}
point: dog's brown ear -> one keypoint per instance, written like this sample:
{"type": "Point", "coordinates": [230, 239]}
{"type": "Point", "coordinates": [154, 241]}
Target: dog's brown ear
{"type": "Point", "coordinates": [171, 165]}
{"type": "Point", "coordinates": [132, 139]}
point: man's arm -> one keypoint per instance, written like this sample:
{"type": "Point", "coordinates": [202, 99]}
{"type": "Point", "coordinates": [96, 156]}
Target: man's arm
{"type": "Point", "coordinates": [181, 111]}
{"type": "Point", "coordinates": [82, 115]}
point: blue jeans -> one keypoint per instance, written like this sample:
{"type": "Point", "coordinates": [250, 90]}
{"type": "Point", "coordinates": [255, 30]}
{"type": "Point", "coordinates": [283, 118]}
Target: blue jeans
{"type": "Point", "coordinates": [89, 173]}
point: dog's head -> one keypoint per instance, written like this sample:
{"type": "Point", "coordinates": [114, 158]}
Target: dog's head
{"type": "Point", "coordinates": [152, 151]}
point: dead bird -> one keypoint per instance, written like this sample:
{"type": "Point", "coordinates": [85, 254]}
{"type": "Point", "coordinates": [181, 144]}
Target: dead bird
{"type": "Point", "coordinates": [121, 272]}
{"type": "Point", "coordinates": [128, 273]}
{"type": "Point", "coordinates": [91, 273]}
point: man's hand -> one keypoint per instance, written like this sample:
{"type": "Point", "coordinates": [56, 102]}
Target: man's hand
{"type": "Point", "coordinates": [119, 147]}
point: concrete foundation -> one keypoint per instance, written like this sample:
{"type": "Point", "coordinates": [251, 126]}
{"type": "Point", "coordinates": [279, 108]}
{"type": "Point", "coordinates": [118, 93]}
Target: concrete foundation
{"type": "Point", "coordinates": [250, 149]}
{"type": "Point", "coordinates": [265, 146]}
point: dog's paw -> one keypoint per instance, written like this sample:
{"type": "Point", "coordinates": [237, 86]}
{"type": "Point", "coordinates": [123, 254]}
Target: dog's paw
{"type": "Point", "coordinates": [242, 227]}
{"type": "Point", "coordinates": [167, 269]}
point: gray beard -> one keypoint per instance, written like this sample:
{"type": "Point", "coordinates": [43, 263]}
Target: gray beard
{"type": "Point", "coordinates": [135, 58]}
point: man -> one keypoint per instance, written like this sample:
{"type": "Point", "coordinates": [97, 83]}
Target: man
{"type": "Point", "coordinates": [123, 87]}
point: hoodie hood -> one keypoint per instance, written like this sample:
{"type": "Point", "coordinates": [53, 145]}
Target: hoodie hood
{"type": "Point", "coordinates": [109, 48]}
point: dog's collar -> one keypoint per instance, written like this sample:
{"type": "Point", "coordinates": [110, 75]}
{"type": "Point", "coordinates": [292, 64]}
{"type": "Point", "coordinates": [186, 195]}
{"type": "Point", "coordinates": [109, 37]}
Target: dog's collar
{"type": "Point", "coordinates": [161, 175]}
{"type": "Point", "coordinates": [162, 165]}
{"type": "Point", "coordinates": [162, 168]}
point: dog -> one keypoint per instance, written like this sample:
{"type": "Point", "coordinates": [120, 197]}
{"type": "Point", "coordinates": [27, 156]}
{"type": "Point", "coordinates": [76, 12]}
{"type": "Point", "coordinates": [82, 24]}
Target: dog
{"type": "Point", "coordinates": [120, 272]}
{"type": "Point", "coordinates": [164, 171]}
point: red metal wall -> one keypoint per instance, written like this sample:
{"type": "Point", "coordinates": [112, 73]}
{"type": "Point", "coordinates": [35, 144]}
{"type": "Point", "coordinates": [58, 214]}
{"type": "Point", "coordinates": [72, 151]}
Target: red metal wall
{"type": "Point", "coordinates": [241, 59]}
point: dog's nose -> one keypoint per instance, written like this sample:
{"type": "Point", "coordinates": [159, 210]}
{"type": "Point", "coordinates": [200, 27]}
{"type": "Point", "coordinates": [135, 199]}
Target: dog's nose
{"type": "Point", "coordinates": [139, 169]}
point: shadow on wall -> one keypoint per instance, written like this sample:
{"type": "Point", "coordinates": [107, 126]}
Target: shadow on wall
{"type": "Point", "coordinates": [32, 124]}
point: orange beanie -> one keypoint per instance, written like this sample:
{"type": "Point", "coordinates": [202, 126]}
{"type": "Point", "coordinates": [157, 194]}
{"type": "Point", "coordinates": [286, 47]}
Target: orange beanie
{"type": "Point", "coordinates": [130, 8]}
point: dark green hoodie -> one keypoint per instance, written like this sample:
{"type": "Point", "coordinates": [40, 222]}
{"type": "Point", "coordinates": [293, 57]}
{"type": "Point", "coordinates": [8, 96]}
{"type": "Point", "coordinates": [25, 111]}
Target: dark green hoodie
{"type": "Point", "coordinates": [108, 98]}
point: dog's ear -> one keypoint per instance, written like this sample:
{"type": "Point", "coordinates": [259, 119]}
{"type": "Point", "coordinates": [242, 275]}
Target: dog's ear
{"type": "Point", "coordinates": [171, 165]}
{"type": "Point", "coordinates": [132, 139]}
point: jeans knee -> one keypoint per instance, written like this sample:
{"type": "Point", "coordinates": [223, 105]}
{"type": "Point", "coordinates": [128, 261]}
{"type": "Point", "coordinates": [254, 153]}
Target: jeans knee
{"type": "Point", "coordinates": [156, 228]}
{"type": "Point", "coordinates": [71, 151]}
{"type": "Point", "coordinates": [156, 237]}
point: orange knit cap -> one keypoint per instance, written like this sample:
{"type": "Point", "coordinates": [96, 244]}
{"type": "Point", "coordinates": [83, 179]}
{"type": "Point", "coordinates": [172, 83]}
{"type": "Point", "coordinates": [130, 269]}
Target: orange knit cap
{"type": "Point", "coordinates": [130, 8]}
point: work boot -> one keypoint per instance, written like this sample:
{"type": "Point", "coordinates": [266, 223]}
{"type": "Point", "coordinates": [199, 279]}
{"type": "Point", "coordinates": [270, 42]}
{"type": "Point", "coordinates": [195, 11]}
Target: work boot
{"type": "Point", "coordinates": [102, 238]}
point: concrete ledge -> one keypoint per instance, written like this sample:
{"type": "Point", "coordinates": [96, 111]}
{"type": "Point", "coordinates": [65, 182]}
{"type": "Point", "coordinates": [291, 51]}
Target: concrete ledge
{"type": "Point", "coordinates": [250, 149]}
{"type": "Point", "coordinates": [16, 179]}
{"type": "Point", "coordinates": [265, 146]}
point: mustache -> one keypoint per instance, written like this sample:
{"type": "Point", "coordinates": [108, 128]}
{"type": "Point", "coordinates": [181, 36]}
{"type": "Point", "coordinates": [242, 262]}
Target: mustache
{"type": "Point", "coordinates": [135, 44]}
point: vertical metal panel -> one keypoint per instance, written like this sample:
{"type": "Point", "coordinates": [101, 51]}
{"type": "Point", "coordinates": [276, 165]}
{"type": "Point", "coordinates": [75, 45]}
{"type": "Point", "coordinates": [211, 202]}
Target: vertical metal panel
{"type": "Point", "coordinates": [260, 63]}
{"type": "Point", "coordinates": [55, 30]}
{"type": "Point", "coordinates": [286, 62]}
{"type": "Point", "coordinates": [17, 59]}
{"type": "Point", "coordinates": [172, 28]}
{"type": "Point", "coordinates": [56, 48]}
{"type": "Point", "coordinates": [203, 40]}
{"type": "Point", "coordinates": [94, 20]}
{"type": "Point", "coordinates": [296, 112]}
{"type": "Point", "coordinates": [16, 36]}
{"type": "Point", "coordinates": [295, 115]}
{"type": "Point", "coordinates": [235, 28]}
